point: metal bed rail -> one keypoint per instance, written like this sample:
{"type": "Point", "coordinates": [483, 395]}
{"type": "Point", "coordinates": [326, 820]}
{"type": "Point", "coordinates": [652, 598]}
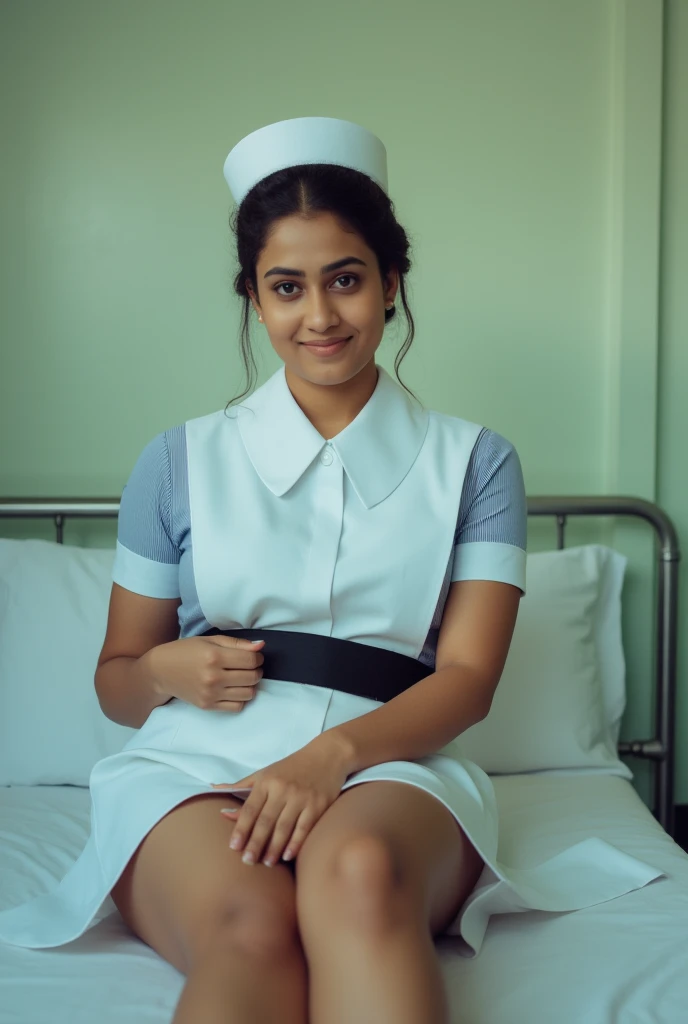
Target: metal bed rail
{"type": "Point", "coordinates": [658, 748]}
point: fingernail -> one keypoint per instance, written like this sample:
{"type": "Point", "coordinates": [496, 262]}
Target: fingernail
{"type": "Point", "coordinates": [287, 855]}
{"type": "Point", "coordinates": [229, 810]}
{"type": "Point", "coordinates": [248, 857]}
{"type": "Point", "coordinates": [234, 843]}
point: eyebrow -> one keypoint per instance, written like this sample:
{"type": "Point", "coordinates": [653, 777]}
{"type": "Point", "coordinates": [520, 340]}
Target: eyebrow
{"type": "Point", "coordinates": [323, 270]}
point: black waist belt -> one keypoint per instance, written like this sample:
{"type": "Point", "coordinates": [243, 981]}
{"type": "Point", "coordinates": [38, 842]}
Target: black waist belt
{"type": "Point", "coordinates": [331, 662]}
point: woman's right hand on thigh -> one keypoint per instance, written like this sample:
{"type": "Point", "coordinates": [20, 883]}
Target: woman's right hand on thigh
{"type": "Point", "coordinates": [217, 673]}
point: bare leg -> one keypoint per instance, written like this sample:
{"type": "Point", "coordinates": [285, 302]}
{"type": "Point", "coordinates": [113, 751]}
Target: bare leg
{"type": "Point", "coordinates": [229, 927]}
{"type": "Point", "coordinates": [382, 872]}
{"type": "Point", "coordinates": [231, 984]}
{"type": "Point", "coordinates": [383, 971]}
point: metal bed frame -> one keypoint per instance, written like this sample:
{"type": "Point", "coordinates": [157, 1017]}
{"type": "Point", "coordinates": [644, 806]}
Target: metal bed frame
{"type": "Point", "coordinates": [659, 748]}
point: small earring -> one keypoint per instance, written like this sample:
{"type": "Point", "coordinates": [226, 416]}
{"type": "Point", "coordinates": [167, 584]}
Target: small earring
{"type": "Point", "coordinates": [260, 319]}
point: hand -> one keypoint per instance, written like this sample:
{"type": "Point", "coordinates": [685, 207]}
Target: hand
{"type": "Point", "coordinates": [217, 673]}
{"type": "Point", "coordinates": [286, 800]}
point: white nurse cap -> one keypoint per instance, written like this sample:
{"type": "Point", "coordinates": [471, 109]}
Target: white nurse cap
{"type": "Point", "coordinates": [304, 140]}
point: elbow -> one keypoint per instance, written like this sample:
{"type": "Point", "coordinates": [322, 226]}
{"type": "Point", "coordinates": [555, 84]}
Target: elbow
{"type": "Point", "coordinates": [100, 691]}
{"type": "Point", "coordinates": [484, 709]}
{"type": "Point", "coordinates": [487, 694]}
{"type": "Point", "coordinates": [101, 688]}
{"type": "Point", "coordinates": [478, 687]}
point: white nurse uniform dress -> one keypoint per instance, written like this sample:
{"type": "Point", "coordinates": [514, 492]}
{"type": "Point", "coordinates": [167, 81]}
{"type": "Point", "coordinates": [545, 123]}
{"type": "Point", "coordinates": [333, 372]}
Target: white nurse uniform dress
{"type": "Point", "coordinates": [258, 522]}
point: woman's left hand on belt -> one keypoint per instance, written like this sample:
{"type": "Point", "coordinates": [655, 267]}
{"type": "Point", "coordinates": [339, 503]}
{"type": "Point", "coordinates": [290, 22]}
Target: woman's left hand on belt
{"type": "Point", "coordinates": [286, 800]}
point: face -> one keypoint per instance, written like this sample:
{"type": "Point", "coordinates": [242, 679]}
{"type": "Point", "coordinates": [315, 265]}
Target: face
{"type": "Point", "coordinates": [301, 301]}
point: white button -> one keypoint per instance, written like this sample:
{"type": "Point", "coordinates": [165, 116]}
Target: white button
{"type": "Point", "coordinates": [327, 457]}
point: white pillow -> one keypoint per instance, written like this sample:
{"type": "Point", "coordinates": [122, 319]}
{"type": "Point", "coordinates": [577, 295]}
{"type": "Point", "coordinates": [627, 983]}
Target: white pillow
{"type": "Point", "coordinates": [560, 700]}
{"type": "Point", "coordinates": [53, 616]}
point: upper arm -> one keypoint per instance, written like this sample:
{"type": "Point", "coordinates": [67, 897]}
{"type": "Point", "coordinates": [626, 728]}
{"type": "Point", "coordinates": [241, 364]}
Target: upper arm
{"type": "Point", "coordinates": [136, 624]}
{"type": "Point", "coordinates": [145, 592]}
{"type": "Point", "coordinates": [476, 629]}
{"type": "Point", "coordinates": [488, 571]}
{"type": "Point", "coordinates": [490, 541]}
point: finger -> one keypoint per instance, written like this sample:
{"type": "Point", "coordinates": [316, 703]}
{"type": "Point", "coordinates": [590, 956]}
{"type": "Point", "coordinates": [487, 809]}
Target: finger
{"type": "Point", "coordinates": [248, 815]}
{"type": "Point", "coordinates": [283, 829]}
{"type": "Point", "coordinates": [262, 830]}
{"type": "Point", "coordinates": [237, 643]}
{"type": "Point", "coordinates": [237, 653]}
{"type": "Point", "coordinates": [237, 694]}
{"type": "Point", "coordinates": [242, 658]}
{"type": "Point", "coordinates": [304, 824]}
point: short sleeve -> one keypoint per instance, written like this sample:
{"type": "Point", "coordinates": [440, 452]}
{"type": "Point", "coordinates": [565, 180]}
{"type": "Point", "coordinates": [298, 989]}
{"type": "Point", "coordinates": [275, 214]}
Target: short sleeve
{"type": "Point", "coordinates": [491, 532]}
{"type": "Point", "coordinates": [147, 559]}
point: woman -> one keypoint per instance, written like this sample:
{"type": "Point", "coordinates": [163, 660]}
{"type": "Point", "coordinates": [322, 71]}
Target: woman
{"type": "Point", "coordinates": [376, 550]}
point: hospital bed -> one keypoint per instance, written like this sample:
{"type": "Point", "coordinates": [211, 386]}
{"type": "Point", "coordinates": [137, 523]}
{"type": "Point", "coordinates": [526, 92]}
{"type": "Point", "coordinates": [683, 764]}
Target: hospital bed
{"type": "Point", "coordinates": [620, 962]}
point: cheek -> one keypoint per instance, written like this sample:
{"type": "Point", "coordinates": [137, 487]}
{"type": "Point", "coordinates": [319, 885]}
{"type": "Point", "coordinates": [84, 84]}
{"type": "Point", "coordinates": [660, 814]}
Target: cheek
{"type": "Point", "coordinates": [365, 311]}
{"type": "Point", "coordinates": [284, 318]}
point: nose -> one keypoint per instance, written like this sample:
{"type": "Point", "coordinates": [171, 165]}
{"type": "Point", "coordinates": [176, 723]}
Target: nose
{"type": "Point", "coordinates": [321, 313]}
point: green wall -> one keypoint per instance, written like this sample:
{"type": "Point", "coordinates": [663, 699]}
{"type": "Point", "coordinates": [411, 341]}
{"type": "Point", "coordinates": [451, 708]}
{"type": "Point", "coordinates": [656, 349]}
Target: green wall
{"type": "Point", "coordinates": [672, 406]}
{"type": "Point", "coordinates": [513, 133]}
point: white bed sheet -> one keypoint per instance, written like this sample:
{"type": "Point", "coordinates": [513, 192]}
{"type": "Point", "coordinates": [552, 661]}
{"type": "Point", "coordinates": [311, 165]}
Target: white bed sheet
{"type": "Point", "coordinates": [621, 962]}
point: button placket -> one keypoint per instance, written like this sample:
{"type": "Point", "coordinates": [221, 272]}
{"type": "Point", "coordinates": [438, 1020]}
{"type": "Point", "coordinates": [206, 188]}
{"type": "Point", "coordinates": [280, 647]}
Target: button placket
{"type": "Point", "coordinates": [325, 521]}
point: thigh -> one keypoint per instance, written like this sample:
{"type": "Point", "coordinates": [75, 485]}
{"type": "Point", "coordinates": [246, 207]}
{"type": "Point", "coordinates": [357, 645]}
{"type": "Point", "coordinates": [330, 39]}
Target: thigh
{"type": "Point", "coordinates": [416, 841]}
{"type": "Point", "coordinates": [183, 884]}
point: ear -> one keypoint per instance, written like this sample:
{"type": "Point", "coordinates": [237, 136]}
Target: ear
{"type": "Point", "coordinates": [391, 284]}
{"type": "Point", "coordinates": [252, 296]}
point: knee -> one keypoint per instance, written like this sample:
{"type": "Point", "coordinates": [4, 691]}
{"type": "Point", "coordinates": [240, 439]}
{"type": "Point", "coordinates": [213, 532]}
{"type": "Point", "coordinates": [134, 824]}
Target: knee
{"type": "Point", "coordinates": [366, 863]}
{"type": "Point", "coordinates": [361, 885]}
{"type": "Point", "coordinates": [258, 932]}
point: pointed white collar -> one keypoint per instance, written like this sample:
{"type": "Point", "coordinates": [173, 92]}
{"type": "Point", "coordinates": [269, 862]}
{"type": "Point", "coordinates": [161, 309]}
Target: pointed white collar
{"type": "Point", "coordinates": [377, 449]}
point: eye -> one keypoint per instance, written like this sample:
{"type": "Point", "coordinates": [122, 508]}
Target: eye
{"type": "Point", "coordinates": [343, 277]}
{"type": "Point", "coordinates": [292, 284]}
{"type": "Point", "coordinates": [288, 284]}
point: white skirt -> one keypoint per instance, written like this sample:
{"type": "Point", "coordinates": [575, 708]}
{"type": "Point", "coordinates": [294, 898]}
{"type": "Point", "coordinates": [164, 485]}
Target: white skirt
{"type": "Point", "coordinates": [181, 749]}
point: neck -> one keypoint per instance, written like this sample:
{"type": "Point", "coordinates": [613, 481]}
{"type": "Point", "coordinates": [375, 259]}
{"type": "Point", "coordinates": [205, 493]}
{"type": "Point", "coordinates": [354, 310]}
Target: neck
{"type": "Point", "coordinates": [332, 407]}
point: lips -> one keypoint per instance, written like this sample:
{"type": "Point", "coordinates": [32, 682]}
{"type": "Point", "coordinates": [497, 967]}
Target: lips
{"type": "Point", "coordinates": [325, 343]}
{"type": "Point", "coordinates": [326, 351]}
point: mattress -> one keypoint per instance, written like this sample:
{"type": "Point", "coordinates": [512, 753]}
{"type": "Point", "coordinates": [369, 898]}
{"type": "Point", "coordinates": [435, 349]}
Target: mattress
{"type": "Point", "coordinates": [620, 962]}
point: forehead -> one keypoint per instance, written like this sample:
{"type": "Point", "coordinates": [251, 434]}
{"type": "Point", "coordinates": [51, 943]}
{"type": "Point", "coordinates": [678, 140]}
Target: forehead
{"type": "Point", "coordinates": [307, 239]}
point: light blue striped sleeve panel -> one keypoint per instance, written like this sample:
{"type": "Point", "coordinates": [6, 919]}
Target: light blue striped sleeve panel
{"type": "Point", "coordinates": [490, 542]}
{"type": "Point", "coordinates": [144, 524]}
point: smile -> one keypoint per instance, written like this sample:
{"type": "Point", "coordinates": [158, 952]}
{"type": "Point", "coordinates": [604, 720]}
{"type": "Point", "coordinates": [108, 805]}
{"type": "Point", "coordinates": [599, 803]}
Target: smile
{"type": "Point", "coordinates": [326, 349]}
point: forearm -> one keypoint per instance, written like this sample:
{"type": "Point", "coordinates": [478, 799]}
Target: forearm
{"type": "Point", "coordinates": [126, 690]}
{"type": "Point", "coordinates": [415, 723]}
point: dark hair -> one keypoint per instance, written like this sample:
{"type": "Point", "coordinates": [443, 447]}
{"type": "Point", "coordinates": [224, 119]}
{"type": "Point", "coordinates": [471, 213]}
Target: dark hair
{"type": "Point", "coordinates": [308, 189]}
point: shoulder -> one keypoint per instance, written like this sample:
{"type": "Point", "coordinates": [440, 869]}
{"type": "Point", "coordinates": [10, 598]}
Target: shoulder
{"type": "Point", "coordinates": [494, 468]}
{"type": "Point", "coordinates": [456, 424]}
{"type": "Point", "coordinates": [162, 462]}
{"type": "Point", "coordinates": [493, 450]}
{"type": "Point", "coordinates": [211, 427]}
{"type": "Point", "coordinates": [166, 451]}
{"type": "Point", "coordinates": [158, 472]}
{"type": "Point", "coordinates": [218, 418]}
{"type": "Point", "coordinates": [489, 447]}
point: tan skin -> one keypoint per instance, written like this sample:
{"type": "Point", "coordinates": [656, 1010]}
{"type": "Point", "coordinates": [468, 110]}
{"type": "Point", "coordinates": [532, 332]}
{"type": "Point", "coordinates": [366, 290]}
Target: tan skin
{"type": "Point", "coordinates": [347, 302]}
{"type": "Point", "coordinates": [386, 862]}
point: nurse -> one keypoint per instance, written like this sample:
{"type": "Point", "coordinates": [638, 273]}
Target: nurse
{"type": "Point", "coordinates": [292, 823]}
{"type": "Point", "coordinates": [346, 933]}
